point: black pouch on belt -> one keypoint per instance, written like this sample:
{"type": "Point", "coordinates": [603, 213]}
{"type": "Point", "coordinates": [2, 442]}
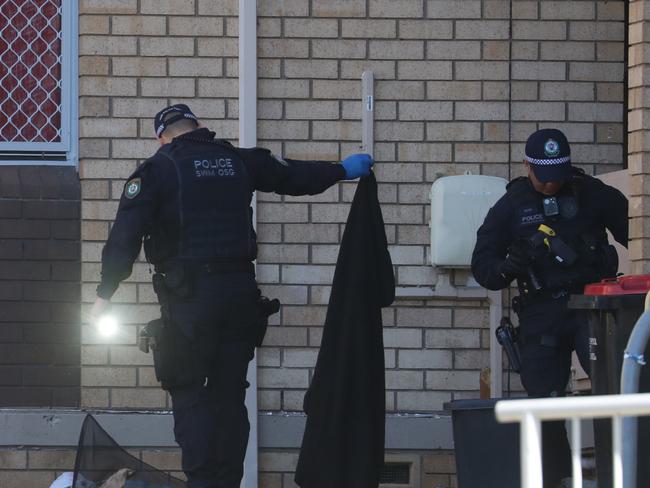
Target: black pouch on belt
{"type": "Point", "coordinates": [173, 355]}
{"type": "Point", "coordinates": [177, 281]}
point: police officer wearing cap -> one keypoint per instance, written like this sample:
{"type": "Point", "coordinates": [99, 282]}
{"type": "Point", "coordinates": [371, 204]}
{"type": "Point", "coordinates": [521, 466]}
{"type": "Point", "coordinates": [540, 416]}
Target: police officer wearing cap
{"type": "Point", "coordinates": [190, 205]}
{"type": "Point", "coordinates": [548, 232]}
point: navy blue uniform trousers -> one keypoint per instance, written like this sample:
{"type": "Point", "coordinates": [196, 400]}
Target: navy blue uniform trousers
{"type": "Point", "coordinates": [210, 418]}
{"type": "Point", "coordinates": [545, 370]}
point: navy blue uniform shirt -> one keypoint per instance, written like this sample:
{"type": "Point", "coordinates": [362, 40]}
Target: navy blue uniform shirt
{"type": "Point", "coordinates": [600, 207]}
{"type": "Point", "coordinates": [150, 198]}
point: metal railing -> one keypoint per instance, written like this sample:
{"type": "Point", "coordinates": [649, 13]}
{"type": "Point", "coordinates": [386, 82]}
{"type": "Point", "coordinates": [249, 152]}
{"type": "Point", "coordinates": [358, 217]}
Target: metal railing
{"type": "Point", "coordinates": [530, 412]}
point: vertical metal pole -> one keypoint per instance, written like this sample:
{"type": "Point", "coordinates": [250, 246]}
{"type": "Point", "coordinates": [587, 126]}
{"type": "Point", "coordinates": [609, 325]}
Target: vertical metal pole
{"type": "Point", "coordinates": [68, 20]}
{"type": "Point", "coordinates": [368, 112]}
{"type": "Point", "coordinates": [73, 92]}
{"type": "Point", "coordinates": [617, 450]}
{"type": "Point", "coordinates": [576, 452]}
{"type": "Point", "coordinates": [531, 452]}
{"type": "Point", "coordinates": [248, 138]}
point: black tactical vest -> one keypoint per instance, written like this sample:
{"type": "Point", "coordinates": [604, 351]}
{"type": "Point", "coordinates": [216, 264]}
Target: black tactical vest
{"type": "Point", "coordinates": [214, 196]}
{"type": "Point", "coordinates": [578, 225]}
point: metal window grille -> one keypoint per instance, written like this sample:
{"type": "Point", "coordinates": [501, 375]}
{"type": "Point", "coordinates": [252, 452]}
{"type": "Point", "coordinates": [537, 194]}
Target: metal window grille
{"type": "Point", "coordinates": [35, 76]}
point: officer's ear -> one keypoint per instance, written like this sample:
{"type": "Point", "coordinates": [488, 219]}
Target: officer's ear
{"type": "Point", "coordinates": [527, 166]}
{"type": "Point", "coordinates": [162, 140]}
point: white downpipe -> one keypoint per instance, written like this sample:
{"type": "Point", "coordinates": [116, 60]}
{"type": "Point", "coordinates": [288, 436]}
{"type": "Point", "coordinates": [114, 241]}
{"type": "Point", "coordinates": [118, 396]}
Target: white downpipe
{"type": "Point", "coordinates": [248, 138]}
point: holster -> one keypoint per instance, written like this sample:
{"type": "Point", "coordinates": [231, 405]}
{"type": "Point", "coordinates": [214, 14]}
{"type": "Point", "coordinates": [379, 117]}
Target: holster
{"type": "Point", "coordinates": [265, 308]}
{"type": "Point", "coordinates": [508, 337]}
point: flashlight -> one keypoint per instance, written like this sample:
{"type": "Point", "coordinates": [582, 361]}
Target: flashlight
{"type": "Point", "coordinates": [107, 325]}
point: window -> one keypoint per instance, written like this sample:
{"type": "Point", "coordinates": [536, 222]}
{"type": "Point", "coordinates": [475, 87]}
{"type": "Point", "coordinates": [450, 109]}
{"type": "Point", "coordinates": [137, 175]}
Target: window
{"type": "Point", "coordinates": [38, 95]}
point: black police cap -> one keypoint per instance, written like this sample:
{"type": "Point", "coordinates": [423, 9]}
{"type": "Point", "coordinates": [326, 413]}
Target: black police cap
{"type": "Point", "coordinates": [182, 112]}
{"type": "Point", "coordinates": [549, 155]}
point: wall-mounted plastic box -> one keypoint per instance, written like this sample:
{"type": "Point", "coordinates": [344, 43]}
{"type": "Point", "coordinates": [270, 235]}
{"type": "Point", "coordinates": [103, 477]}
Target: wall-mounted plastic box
{"type": "Point", "coordinates": [459, 205]}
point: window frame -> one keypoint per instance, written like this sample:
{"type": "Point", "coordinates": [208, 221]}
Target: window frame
{"type": "Point", "coordinates": [64, 152]}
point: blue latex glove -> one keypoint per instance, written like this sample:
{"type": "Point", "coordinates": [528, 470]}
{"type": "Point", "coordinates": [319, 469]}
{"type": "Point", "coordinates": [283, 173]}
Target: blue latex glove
{"type": "Point", "coordinates": [357, 165]}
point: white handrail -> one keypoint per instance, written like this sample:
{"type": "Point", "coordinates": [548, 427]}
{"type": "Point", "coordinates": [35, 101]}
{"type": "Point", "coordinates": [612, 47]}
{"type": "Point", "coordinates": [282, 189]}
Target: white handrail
{"type": "Point", "coordinates": [530, 412]}
{"type": "Point", "coordinates": [598, 406]}
{"type": "Point", "coordinates": [576, 451]}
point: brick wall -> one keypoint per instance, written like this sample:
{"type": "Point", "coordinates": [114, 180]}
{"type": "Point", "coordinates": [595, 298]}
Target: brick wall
{"type": "Point", "coordinates": [460, 84]}
{"type": "Point", "coordinates": [32, 467]}
{"type": "Point", "coordinates": [137, 57]}
{"type": "Point", "coordinates": [639, 165]}
{"type": "Point", "coordinates": [453, 94]}
{"type": "Point", "coordinates": [39, 467]}
{"type": "Point", "coordinates": [427, 469]}
{"type": "Point", "coordinates": [39, 286]}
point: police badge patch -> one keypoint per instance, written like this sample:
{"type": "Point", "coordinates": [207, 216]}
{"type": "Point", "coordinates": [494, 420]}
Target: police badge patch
{"type": "Point", "coordinates": [551, 148]}
{"type": "Point", "coordinates": [132, 188]}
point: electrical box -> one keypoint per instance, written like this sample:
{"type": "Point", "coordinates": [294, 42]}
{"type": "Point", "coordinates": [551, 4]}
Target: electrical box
{"type": "Point", "coordinates": [459, 205]}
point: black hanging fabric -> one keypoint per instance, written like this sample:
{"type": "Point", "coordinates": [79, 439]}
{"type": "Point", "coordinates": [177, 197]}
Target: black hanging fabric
{"type": "Point", "coordinates": [343, 444]}
{"type": "Point", "coordinates": [99, 457]}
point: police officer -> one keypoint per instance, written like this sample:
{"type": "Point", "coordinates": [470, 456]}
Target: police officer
{"type": "Point", "coordinates": [190, 204]}
{"type": "Point", "coordinates": [548, 233]}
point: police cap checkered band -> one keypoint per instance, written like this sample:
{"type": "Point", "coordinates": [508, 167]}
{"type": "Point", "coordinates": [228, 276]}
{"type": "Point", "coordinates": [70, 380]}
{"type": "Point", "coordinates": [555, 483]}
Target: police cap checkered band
{"type": "Point", "coordinates": [549, 155]}
{"type": "Point", "coordinates": [162, 120]}
{"type": "Point", "coordinates": [564, 160]}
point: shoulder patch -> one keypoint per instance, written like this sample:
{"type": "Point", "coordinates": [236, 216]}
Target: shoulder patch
{"type": "Point", "coordinates": [132, 188]}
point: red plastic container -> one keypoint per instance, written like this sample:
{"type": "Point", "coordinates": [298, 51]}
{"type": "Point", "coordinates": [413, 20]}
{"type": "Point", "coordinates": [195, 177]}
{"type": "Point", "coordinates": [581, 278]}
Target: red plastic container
{"type": "Point", "coordinates": [623, 285]}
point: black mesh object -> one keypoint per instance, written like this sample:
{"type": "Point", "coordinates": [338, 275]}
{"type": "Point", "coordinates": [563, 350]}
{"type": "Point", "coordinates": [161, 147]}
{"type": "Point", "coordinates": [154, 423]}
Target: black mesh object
{"type": "Point", "coordinates": [99, 457]}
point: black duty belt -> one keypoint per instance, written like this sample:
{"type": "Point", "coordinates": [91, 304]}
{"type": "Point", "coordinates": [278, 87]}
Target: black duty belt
{"type": "Point", "coordinates": [207, 269]}
{"type": "Point", "coordinates": [545, 295]}
{"type": "Point", "coordinates": [540, 340]}
{"type": "Point", "coordinates": [183, 269]}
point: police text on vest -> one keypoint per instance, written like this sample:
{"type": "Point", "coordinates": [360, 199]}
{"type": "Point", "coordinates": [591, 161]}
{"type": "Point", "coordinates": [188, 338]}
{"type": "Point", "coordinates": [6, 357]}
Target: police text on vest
{"type": "Point", "coordinates": [213, 167]}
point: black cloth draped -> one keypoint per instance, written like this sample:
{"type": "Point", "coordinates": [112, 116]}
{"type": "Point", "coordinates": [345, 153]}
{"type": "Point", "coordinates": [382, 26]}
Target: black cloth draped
{"type": "Point", "coordinates": [343, 444]}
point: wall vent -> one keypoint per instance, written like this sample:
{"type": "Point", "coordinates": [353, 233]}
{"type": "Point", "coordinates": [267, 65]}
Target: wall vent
{"type": "Point", "coordinates": [395, 474]}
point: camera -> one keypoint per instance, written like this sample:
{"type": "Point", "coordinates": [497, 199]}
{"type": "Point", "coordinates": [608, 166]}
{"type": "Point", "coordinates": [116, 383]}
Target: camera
{"type": "Point", "coordinates": [550, 206]}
